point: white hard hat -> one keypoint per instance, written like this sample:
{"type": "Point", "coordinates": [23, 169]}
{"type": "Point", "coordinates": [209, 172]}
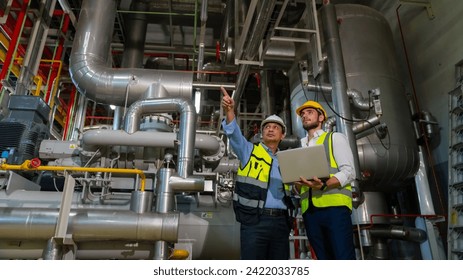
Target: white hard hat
{"type": "Point", "coordinates": [274, 119]}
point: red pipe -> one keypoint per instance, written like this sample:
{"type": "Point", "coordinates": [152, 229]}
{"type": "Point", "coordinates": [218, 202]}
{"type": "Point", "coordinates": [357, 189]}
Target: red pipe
{"type": "Point", "coordinates": [14, 41]}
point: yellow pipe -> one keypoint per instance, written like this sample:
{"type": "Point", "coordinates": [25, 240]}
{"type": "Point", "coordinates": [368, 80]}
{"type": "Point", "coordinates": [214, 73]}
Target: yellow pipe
{"type": "Point", "coordinates": [55, 83]}
{"type": "Point", "coordinates": [38, 81]}
{"type": "Point", "coordinates": [26, 165]}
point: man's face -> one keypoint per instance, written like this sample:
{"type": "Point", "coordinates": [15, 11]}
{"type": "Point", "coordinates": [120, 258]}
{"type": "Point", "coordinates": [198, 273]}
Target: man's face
{"type": "Point", "coordinates": [272, 132]}
{"type": "Point", "coordinates": [311, 118]}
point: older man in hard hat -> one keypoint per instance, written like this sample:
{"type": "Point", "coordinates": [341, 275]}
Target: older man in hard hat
{"type": "Point", "coordinates": [260, 200]}
{"type": "Point", "coordinates": [326, 205]}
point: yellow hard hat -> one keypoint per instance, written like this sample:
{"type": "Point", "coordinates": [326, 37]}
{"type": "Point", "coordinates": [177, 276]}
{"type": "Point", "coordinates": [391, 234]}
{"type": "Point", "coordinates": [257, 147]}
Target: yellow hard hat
{"type": "Point", "coordinates": [311, 104]}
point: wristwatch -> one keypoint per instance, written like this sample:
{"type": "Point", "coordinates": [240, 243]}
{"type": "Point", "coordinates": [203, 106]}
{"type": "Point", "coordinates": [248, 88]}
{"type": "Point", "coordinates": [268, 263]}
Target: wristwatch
{"type": "Point", "coordinates": [324, 186]}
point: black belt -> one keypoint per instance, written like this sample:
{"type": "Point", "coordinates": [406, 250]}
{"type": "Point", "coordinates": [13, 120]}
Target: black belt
{"type": "Point", "coordinates": [274, 212]}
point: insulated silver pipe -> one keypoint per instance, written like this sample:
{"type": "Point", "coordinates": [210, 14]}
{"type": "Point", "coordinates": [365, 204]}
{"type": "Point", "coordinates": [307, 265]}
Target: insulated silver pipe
{"type": "Point", "coordinates": [91, 71]}
{"type": "Point", "coordinates": [337, 71]}
{"type": "Point", "coordinates": [88, 225]}
{"type": "Point", "coordinates": [358, 101]}
{"type": "Point", "coordinates": [92, 139]}
{"type": "Point", "coordinates": [51, 199]}
{"type": "Point", "coordinates": [319, 87]}
{"type": "Point", "coordinates": [187, 127]}
{"type": "Point", "coordinates": [338, 81]}
{"type": "Point", "coordinates": [137, 25]}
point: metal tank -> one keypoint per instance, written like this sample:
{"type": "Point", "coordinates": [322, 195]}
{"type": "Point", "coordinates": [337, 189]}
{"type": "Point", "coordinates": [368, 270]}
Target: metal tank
{"type": "Point", "coordinates": [371, 64]}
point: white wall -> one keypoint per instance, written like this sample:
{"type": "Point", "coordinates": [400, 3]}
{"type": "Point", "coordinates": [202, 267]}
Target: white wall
{"type": "Point", "coordinates": [434, 46]}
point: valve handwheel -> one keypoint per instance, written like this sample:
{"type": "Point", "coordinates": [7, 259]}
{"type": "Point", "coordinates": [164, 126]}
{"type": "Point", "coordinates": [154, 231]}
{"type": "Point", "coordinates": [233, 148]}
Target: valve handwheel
{"type": "Point", "coordinates": [35, 162]}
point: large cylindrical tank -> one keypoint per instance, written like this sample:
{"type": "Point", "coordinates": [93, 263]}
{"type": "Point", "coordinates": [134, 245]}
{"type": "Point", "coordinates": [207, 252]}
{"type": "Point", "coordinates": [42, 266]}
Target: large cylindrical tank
{"type": "Point", "coordinates": [371, 63]}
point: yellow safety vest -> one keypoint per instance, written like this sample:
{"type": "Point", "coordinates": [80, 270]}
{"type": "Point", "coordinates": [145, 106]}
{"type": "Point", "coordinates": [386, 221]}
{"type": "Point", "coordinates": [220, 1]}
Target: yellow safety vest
{"type": "Point", "coordinates": [332, 197]}
{"type": "Point", "coordinates": [251, 186]}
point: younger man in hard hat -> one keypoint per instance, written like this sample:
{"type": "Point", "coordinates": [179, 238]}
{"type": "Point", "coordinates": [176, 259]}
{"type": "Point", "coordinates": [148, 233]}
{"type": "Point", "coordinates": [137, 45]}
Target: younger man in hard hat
{"type": "Point", "coordinates": [259, 195]}
{"type": "Point", "coordinates": [326, 205]}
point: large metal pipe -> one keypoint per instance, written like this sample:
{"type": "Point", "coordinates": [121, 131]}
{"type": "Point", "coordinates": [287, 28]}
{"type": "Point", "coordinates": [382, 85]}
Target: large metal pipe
{"type": "Point", "coordinates": [337, 74]}
{"type": "Point", "coordinates": [92, 139]}
{"type": "Point", "coordinates": [338, 81]}
{"type": "Point", "coordinates": [92, 74]}
{"type": "Point", "coordinates": [135, 36]}
{"type": "Point", "coordinates": [400, 233]}
{"type": "Point", "coordinates": [88, 225]}
{"type": "Point", "coordinates": [21, 198]}
{"type": "Point", "coordinates": [187, 127]}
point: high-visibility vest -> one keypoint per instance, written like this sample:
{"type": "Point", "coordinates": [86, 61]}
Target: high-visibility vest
{"type": "Point", "coordinates": [332, 197]}
{"type": "Point", "coordinates": [251, 186]}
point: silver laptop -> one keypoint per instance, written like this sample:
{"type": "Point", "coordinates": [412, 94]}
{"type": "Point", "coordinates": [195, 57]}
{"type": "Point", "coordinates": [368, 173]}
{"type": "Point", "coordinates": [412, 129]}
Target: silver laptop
{"type": "Point", "coordinates": [306, 162]}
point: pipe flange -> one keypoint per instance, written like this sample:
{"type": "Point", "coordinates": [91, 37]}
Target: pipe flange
{"type": "Point", "coordinates": [220, 153]}
{"type": "Point", "coordinates": [157, 122]}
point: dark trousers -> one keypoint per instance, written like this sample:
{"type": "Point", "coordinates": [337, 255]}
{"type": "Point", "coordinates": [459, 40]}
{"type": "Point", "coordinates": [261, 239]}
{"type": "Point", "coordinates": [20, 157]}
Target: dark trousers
{"type": "Point", "coordinates": [267, 240]}
{"type": "Point", "coordinates": [330, 233]}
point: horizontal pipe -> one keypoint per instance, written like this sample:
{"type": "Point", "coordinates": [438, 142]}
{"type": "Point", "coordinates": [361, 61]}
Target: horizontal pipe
{"type": "Point", "coordinates": [401, 233]}
{"type": "Point", "coordinates": [27, 166]}
{"type": "Point", "coordinates": [217, 86]}
{"type": "Point", "coordinates": [52, 199]}
{"type": "Point", "coordinates": [88, 225]}
{"type": "Point", "coordinates": [91, 139]}
{"type": "Point", "coordinates": [190, 184]}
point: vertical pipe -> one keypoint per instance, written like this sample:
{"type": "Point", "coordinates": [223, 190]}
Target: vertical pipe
{"type": "Point", "coordinates": [117, 118]}
{"type": "Point", "coordinates": [135, 37]}
{"type": "Point", "coordinates": [80, 117]}
{"type": "Point", "coordinates": [266, 107]}
{"type": "Point", "coordinates": [164, 204]}
{"type": "Point", "coordinates": [338, 81]}
{"type": "Point", "coordinates": [134, 48]}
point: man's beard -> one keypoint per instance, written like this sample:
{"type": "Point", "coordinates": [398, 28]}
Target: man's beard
{"type": "Point", "coordinates": [309, 126]}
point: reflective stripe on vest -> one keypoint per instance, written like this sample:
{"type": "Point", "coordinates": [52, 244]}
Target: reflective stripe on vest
{"type": "Point", "coordinates": [256, 173]}
{"type": "Point", "coordinates": [332, 197]}
{"type": "Point", "coordinates": [248, 202]}
{"type": "Point", "coordinates": [252, 181]}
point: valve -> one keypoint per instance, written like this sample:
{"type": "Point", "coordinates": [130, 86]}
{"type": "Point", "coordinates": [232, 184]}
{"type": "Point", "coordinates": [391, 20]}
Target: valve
{"type": "Point", "coordinates": [35, 162]}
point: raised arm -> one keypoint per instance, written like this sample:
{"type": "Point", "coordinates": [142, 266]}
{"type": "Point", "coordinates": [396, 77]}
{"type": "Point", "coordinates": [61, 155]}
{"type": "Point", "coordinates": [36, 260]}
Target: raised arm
{"type": "Point", "coordinates": [228, 105]}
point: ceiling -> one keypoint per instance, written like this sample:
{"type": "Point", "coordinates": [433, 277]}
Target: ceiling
{"type": "Point", "coordinates": [178, 32]}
